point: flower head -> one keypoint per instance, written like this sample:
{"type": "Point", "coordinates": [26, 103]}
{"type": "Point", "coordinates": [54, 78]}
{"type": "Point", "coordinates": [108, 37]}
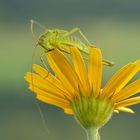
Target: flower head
{"type": "Point", "coordinates": [78, 90]}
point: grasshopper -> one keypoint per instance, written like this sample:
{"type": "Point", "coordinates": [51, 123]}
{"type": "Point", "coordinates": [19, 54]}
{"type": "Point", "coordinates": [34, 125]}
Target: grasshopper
{"type": "Point", "coordinates": [63, 40]}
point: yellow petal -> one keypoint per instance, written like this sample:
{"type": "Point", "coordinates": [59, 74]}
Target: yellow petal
{"type": "Point", "coordinates": [80, 69]}
{"type": "Point", "coordinates": [44, 73]}
{"type": "Point", "coordinates": [95, 70]}
{"type": "Point", "coordinates": [132, 74]}
{"type": "Point", "coordinates": [51, 79]}
{"type": "Point", "coordinates": [39, 82]}
{"type": "Point", "coordinates": [47, 94]}
{"type": "Point", "coordinates": [128, 91]}
{"type": "Point", "coordinates": [120, 79]}
{"type": "Point", "coordinates": [64, 71]}
{"type": "Point", "coordinates": [68, 111]}
{"type": "Point", "coordinates": [137, 63]}
{"type": "Point", "coordinates": [116, 111]}
{"type": "Point", "coordinates": [128, 102]}
{"type": "Point", "coordinates": [52, 101]}
{"type": "Point", "coordinates": [125, 109]}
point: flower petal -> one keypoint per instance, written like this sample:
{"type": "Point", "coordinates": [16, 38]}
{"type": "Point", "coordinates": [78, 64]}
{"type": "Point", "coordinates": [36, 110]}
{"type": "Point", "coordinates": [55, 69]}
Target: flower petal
{"type": "Point", "coordinates": [128, 102]}
{"type": "Point", "coordinates": [80, 69]}
{"type": "Point", "coordinates": [64, 71]}
{"type": "Point", "coordinates": [68, 111]}
{"type": "Point", "coordinates": [51, 101]}
{"type": "Point", "coordinates": [125, 109]}
{"type": "Point", "coordinates": [41, 83]}
{"type": "Point", "coordinates": [47, 76]}
{"type": "Point", "coordinates": [95, 70]}
{"type": "Point", "coordinates": [128, 91]}
{"type": "Point", "coordinates": [44, 73]}
{"type": "Point", "coordinates": [48, 95]}
{"type": "Point", "coordinates": [120, 79]}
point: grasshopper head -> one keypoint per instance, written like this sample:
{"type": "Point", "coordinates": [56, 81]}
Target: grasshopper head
{"type": "Point", "coordinates": [45, 39]}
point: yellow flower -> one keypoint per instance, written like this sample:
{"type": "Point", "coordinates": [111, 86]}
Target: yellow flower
{"type": "Point", "coordinates": [78, 91]}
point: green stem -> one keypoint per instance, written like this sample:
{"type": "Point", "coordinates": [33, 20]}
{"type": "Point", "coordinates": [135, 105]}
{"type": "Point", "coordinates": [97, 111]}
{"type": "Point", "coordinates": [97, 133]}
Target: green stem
{"type": "Point", "coordinates": [93, 134]}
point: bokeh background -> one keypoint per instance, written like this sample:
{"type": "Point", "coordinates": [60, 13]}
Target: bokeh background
{"type": "Point", "coordinates": [113, 25]}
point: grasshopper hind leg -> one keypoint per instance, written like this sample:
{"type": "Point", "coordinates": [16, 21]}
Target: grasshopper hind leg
{"type": "Point", "coordinates": [108, 63]}
{"type": "Point", "coordinates": [74, 30]}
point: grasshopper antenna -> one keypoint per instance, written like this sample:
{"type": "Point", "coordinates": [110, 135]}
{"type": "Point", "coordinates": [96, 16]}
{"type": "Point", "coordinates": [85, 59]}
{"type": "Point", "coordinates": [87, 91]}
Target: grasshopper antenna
{"type": "Point", "coordinates": [35, 100]}
{"type": "Point", "coordinates": [32, 27]}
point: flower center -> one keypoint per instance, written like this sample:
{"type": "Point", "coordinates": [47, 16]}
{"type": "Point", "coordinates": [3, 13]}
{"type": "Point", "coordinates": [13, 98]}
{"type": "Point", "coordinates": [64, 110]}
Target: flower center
{"type": "Point", "coordinates": [92, 111]}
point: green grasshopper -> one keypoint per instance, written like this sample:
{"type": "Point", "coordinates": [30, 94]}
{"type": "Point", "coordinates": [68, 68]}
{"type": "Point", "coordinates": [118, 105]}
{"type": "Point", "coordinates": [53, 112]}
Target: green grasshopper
{"type": "Point", "coordinates": [63, 40]}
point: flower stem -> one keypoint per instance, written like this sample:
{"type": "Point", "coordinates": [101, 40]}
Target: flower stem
{"type": "Point", "coordinates": [92, 134]}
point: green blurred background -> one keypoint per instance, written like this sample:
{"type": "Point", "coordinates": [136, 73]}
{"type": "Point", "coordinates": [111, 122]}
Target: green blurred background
{"type": "Point", "coordinates": [113, 25]}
